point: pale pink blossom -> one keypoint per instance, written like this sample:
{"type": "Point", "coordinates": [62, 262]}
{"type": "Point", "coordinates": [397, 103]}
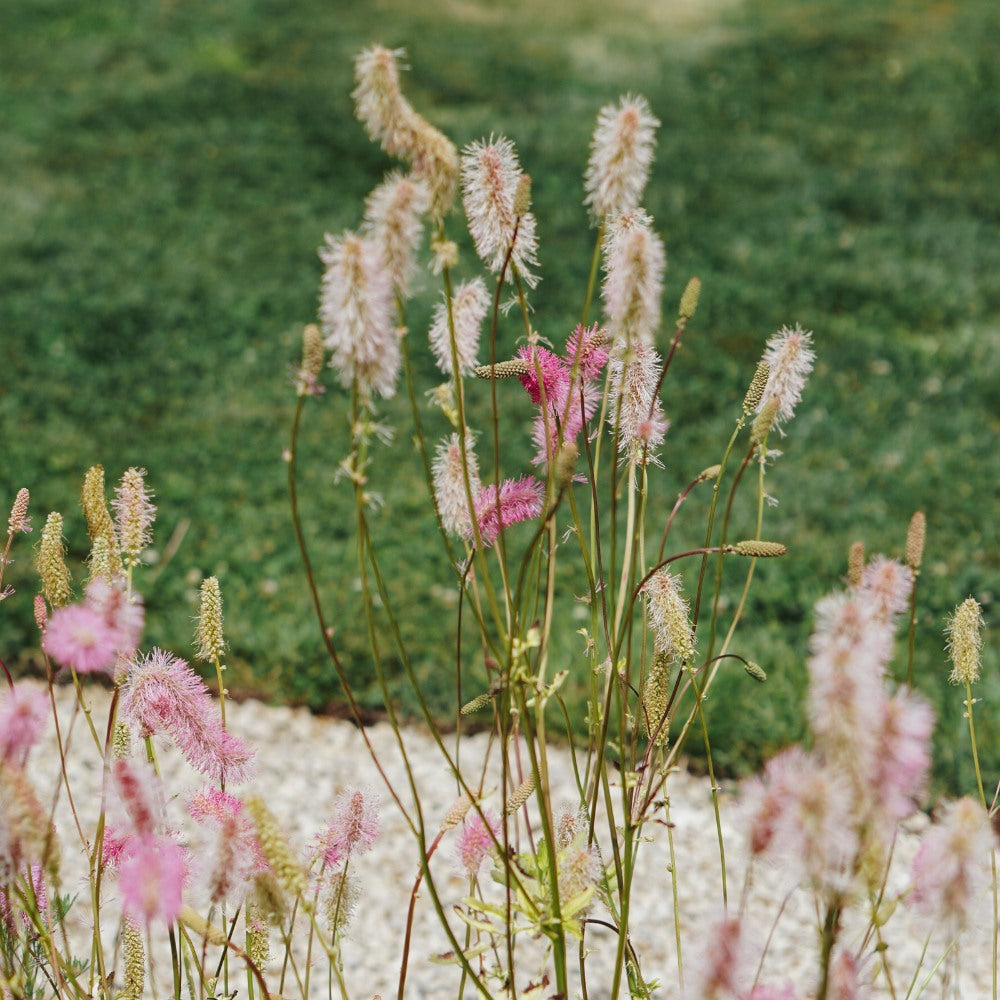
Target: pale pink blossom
{"type": "Point", "coordinates": [117, 845]}
{"type": "Point", "coordinates": [352, 828]}
{"type": "Point", "coordinates": [449, 483]}
{"type": "Point", "coordinates": [850, 647]}
{"type": "Point", "coordinates": [151, 879]}
{"type": "Point", "coordinates": [790, 358]}
{"type": "Point", "coordinates": [393, 221]}
{"type": "Point", "coordinates": [952, 865]}
{"type": "Point", "coordinates": [771, 991]}
{"type": "Point", "coordinates": [220, 811]}
{"type": "Point", "coordinates": [586, 352]}
{"type": "Point", "coordinates": [79, 637]}
{"type": "Point", "coordinates": [634, 261]}
{"type": "Point", "coordinates": [490, 177]}
{"type": "Point", "coordinates": [621, 153]}
{"type": "Point", "coordinates": [162, 694]}
{"type": "Point", "coordinates": [476, 838]}
{"type": "Point", "coordinates": [519, 500]}
{"type": "Point", "coordinates": [23, 713]}
{"type": "Point", "coordinates": [903, 754]}
{"type": "Point", "coordinates": [562, 420]}
{"type": "Point", "coordinates": [356, 314]}
{"type": "Point", "coordinates": [635, 409]}
{"type": "Point", "coordinates": [134, 514]}
{"type": "Point", "coordinates": [887, 583]}
{"type": "Point", "coordinates": [140, 791]}
{"type": "Point", "coordinates": [468, 310]}
{"type": "Point", "coordinates": [844, 981]}
{"type": "Point", "coordinates": [123, 613]}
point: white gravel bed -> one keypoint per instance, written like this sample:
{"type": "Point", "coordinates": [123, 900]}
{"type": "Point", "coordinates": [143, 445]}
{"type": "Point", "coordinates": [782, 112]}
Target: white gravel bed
{"type": "Point", "coordinates": [304, 761]}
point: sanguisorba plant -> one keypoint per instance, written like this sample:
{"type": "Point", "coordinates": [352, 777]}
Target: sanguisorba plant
{"type": "Point", "coordinates": [211, 897]}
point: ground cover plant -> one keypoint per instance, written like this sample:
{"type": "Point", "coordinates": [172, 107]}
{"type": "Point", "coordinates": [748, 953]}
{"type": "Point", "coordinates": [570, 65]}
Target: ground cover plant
{"type": "Point", "coordinates": [580, 514]}
{"type": "Point", "coordinates": [168, 172]}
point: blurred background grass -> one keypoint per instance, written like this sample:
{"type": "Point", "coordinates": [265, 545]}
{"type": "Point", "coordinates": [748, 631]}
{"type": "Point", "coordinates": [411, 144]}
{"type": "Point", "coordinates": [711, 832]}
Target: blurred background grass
{"type": "Point", "coordinates": [168, 171]}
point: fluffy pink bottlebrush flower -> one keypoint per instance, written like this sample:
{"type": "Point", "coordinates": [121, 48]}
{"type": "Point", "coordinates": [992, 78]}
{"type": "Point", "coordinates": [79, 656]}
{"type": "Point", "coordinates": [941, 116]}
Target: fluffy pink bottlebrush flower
{"type": "Point", "coordinates": [850, 647]}
{"type": "Point", "coordinates": [952, 865]}
{"type": "Point", "coordinates": [122, 612]}
{"type": "Point", "coordinates": [23, 713]}
{"type": "Point", "coordinates": [634, 263]}
{"type": "Point", "coordinates": [476, 838]}
{"type": "Point", "coordinates": [449, 483]}
{"type": "Point", "coordinates": [151, 879]}
{"type": "Point", "coordinates": [79, 637]}
{"type": "Point", "coordinates": [887, 583]}
{"type": "Point", "coordinates": [393, 220]}
{"type": "Point", "coordinates": [162, 694]}
{"type": "Point", "coordinates": [490, 177]}
{"type": "Point", "coordinates": [117, 845]}
{"type": "Point", "coordinates": [801, 814]}
{"type": "Point", "coordinates": [519, 500]}
{"type": "Point", "coordinates": [621, 153]}
{"type": "Point", "coordinates": [140, 791]}
{"type": "Point", "coordinates": [352, 829]}
{"type": "Point", "coordinates": [562, 421]}
{"type": "Point", "coordinates": [547, 374]}
{"type": "Point", "coordinates": [903, 755]}
{"type": "Point", "coordinates": [634, 408]}
{"type": "Point", "coordinates": [586, 352]}
{"type": "Point", "coordinates": [469, 305]}
{"type": "Point", "coordinates": [214, 808]}
{"type": "Point", "coordinates": [227, 866]}
{"type": "Point", "coordinates": [790, 358]}
{"type": "Point", "coordinates": [356, 314]}
{"type": "Point", "coordinates": [41, 894]}
{"type": "Point", "coordinates": [378, 101]}
{"type": "Point", "coordinates": [718, 973]}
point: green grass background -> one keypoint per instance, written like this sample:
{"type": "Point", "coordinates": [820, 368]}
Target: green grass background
{"type": "Point", "coordinates": [168, 169]}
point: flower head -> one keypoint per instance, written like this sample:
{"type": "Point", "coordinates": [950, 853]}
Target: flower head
{"type": "Point", "coordinates": [903, 755]}
{"type": "Point", "coordinates": [393, 221]}
{"type": "Point", "coordinates": [518, 500]}
{"type": "Point", "coordinates": [352, 829]}
{"type": "Point", "coordinates": [152, 879]}
{"type": "Point", "coordinates": [491, 175]}
{"type": "Point", "coordinates": [468, 310]}
{"type": "Point", "coordinates": [162, 694]}
{"type": "Point", "coordinates": [965, 641]}
{"type": "Point", "coordinates": [449, 483]}
{"type": "Point", "coordinates": [636, 409]}
{"type": "Point", "coordinates": [135, 514]}
{"type": "Point", "coordinates": [887, 583]}
{"type": "Point", "coordinates": [356, 314]}
{"type": "Point", "coordinates": [669, 616]}
{"type": "Point", "coordinates": [208, 635]}
{"type": "Point", "coordinates": [50, 562]}
{"type": "Point", "coordinates": [790, 357]}
{"type": "Point", "coordinates": [476, 838]}
{"type": "Point", "coordinates": [546, 374]}
{"type": "Point", "coordinates": [19, 519]}
{"type": "Point", "coordinates": [22, 718]}
{"type": "Point", "coordinates": [78, 636]}
{"type": "Point", "coordinates": [634, 262]}
{"type": "Point", "coordinates": [621, 153]}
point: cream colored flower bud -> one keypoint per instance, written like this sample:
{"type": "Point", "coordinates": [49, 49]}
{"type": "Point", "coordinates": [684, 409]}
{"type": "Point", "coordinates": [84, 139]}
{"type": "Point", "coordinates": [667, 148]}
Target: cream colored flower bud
{"type": "Point", "coordinates": [134, 955]}
{"type": "Point", "coordinates": [761, 426]}
{"type": "Point", "coordinates": [755, 391]}
{"type": "Point", "coordinates": [655, 700]}
{"type": "Point", "coordinates": [257, 939]}
{"type": "Point", "coordinates": [565, 463]}
{"type": "Point", "coordinates": [456, 812]}
{"type": "Point", "coordinates": [50, 562]}
{"type": "Point", "coordinates": [711, 473]}
{"type": "Point", "coordinates": [100, 561]}
{"type": "Point", "coordinates": [522, 195]}
{"type": "Point", "coordinates": [915, 537]}
{"type": "Point", "coordinates": [755, 670]}
{"type": "Point", "coordinates": [965, 642]}
{"type": "Point", "coordinates": [689, 299]}
{"type": "Point", "coordinates": [275, 848]}
{"type": "Point", "coordinates": [19, 520]}
{"type": "Point", "coordinates": [521, 795]}
{"type": "Point", "coordinates": [477, 703]}
{"type": "Point", "coordinates": [514, 368]}
{"type": "Point", "coordinates": [855, 563]}
{"type": "Point", "coordinates": [211, 645]}
{"type": "Point", "coordinates": [758, 549]}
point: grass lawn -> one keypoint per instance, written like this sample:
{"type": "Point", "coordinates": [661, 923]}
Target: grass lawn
{"type": "Point", "coordinates": [169, 170]}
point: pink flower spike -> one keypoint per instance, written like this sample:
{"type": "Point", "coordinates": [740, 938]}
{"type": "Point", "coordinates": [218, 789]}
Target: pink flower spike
{"type": "Point", "coordinates": [352, 829]}
{"type": "Point", "coordinates": [904, 754]}
{"type": "Point", "coordinates": [553, 371]}
{"type": "Point", "coordinates": [585, 349]}
{"type": "Point", "coordinates": [122, 612]}
{"type": "Point", "coordinates": [475, 841]}
{"type": "Point", "coordinates": [162, 694]}
{"type": "Point", "coordinates": [78, 637]}
{"type": "Point", "coordinates": [887, 583]}
{"type": "Point", "coordinates": [22, 718]}
{"type": "Point", "coordinates": [519, 500]}
{"type": "Point", "coordinates": [718, 973]}
{"type": "Point", "coordinates": [790, 356]}
{"type": "Point", "coordinates": [152, 880]}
